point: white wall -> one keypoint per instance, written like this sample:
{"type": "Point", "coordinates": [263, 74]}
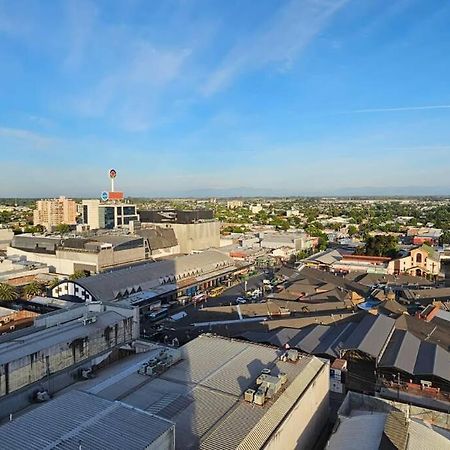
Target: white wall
{"type": "Point", "coordinates": [302, 427]}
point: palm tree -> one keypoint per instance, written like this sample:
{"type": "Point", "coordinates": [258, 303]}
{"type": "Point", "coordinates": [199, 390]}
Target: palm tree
{"type": "Point", "coordinates": [77, 274]}
{"type": "Point", "coordinates": [7, 292]}
{"type": "Point", "coordinates": [53, 283]}
{"type": "Point", "coordinates": [33, 289]}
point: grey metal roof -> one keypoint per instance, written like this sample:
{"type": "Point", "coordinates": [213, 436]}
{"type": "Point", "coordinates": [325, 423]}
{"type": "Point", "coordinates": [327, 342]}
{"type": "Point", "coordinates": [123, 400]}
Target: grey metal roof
{"type": "Point", "coordinates": [371, 335]}
{"type": "Point", "coordinates": [408, 353]}
{"type": "Point", "coordinates": [81, 420]}
{"type": "Point", "coordinates": [316, 339]}
{"type": "Point", "coordinates": [202, 393]}
{"type": "Point", "coordinates": [106, 286]}
{"type": "Point", "coordinates": [432, 360]}
{"type": "Point", "coordinates": [401, 352]}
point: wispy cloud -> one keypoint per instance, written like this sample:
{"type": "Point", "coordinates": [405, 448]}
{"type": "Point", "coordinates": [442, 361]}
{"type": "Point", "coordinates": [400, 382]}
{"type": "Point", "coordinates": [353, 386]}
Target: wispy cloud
{"type": "Point", "coordinates": [30, 137]}
{"type": "Point", "coordinates": [395, 109]}
{"type": "Point", "coordinates": [297, 23]}
{"type": "Point", "coordinates": [81, 22]}
{"type": "Point", "coordinates": [128, 94]}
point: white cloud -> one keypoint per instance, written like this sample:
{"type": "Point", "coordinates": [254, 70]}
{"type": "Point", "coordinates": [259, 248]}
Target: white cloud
{"type": "Point", "coordinates": [35, 139]}
{"type": "Point", "coordinates": [396, 109]}
{"type": "Point", "coordinates": [297, 23]}
{"type": "Point", "coordinates": [129, 93]}
{"type": "Point", "coordinates": [81, 23]}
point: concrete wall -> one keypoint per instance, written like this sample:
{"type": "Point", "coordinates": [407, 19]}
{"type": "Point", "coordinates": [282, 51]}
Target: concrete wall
{"type": "Point", "coordinates": [196, 236]}
{"type": "Point", "coordinates": [110, 257]}
{"type": "Point", "coordinates": [65, 262]}
{"type": "Point", "coordinates": [302, 427]}
{"type": "Point", "coordinates": [6, 236]}
{"type": "Point", "coordinates": [57, 265]}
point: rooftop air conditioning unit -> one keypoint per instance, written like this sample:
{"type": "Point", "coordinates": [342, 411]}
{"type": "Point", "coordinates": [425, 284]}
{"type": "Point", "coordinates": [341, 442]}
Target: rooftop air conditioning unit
{"type": "Point", "coordinates": [87, 374]}
{"type": "Point", "coordinates": [283, 377]}
{"type": "Point", "coordinates": [260, 396]}
{"type": "Point", "coordinates": [249, 395]}
{"type": "Point", "coordinates": [42, 396]}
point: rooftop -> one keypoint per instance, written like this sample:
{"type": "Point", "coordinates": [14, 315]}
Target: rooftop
{"type": "Point", "coordinates": [374, 424]}
{"type": "Point", "coordinates": [203, 392]}
{"type": "Point", "coordinates": [109, 285]}
{"type": "Point", "coordinates": [80, 420]}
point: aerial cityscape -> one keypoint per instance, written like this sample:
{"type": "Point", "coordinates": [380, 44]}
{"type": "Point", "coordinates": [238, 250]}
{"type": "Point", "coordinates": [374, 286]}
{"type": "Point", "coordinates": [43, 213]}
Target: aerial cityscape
{"type": "Point", "coordinates": [224, 225]}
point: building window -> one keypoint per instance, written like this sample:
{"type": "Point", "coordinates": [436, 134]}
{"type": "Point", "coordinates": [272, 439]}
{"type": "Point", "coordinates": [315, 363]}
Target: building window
{"type": "Point", "coordinates": [419, 258]}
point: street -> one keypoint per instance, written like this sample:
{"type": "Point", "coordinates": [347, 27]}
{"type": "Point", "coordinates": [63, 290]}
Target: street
{"type": "Point", "coordinates": [182, 329]}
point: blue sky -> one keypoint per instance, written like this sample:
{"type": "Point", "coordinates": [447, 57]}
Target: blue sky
{"type": "Point", "coordinates": [204, 96]}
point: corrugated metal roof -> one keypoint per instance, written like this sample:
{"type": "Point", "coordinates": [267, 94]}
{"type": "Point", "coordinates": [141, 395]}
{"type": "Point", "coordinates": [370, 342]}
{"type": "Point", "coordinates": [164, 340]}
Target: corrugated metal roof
{"type": "Point", "coordinates": [78, 418]}
{"type": "Point", "coordinates": [408, 353]}
{"type": "Point", "coordinates": [371, 335]}
{"type": "Point", "coordinates": [401, 352]}
{"type": "Point", "coordinates": [106, 286]}
{"type": "Point", "coordinates": [202, 393]}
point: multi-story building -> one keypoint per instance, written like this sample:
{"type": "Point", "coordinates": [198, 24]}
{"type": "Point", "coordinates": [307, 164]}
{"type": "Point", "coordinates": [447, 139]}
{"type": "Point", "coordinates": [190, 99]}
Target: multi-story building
{"type": "Point", "coordinates": [109, 215]}
{"type": "Point", "coordinates": [194, 230]}
{"type": "Point", "coordinates": [90, 254]}
{"type": "Point", "coordinates": [50, 213]}
{"type": "Point", "coordinates": [57, 347]}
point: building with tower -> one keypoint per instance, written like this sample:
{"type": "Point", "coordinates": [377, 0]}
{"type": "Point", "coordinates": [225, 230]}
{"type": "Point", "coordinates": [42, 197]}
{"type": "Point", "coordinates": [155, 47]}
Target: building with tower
{"type": "Point", "coordinates": [110, 211]}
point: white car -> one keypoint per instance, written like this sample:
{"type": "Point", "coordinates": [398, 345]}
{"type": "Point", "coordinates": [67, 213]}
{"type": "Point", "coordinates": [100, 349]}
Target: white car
{"type": "Point", "coordinates": [241, 300]}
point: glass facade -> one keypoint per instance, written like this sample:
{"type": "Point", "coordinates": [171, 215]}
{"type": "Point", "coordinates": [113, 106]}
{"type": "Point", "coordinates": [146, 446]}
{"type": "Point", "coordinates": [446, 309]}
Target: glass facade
{"type": "Point", "coordinates": [109, 217]}
{"type": "Point", "coordinates": [129, 210]}
{"type": "Point", "coordinates": [85, 214]}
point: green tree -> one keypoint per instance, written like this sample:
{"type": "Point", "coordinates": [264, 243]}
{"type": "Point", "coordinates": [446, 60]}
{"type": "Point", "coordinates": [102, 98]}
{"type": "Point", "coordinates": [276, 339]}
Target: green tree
{"type": "Point", "coordinates": [53, 283]}
{"type": "Point", "coordinates": [445, 238]}
{"type": "Point", "coordinates": [352, 230]}
{"type": "Point", "coordinates": [323, 242]}
{"type": "Point", "coordinates": [33, 289]}
{"type": "Point", "coordinates": [381, 245]}
{"type": "Point", "coordinates": [77, 275]}
{"type": "Point", "coordinates": [8, 293]}
{"type": "Point", "coordinates": [62, 228]}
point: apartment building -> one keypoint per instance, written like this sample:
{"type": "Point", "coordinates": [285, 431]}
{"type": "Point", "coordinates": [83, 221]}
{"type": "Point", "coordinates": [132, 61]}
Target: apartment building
{"type": "Point", "coordinates": [53, 212]}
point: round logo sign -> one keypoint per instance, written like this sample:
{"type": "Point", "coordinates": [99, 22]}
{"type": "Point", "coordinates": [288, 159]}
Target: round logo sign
{"type": "Point", "coordinates": [104, 196]}
{"type": "Point", "coordinates": [112, 173]}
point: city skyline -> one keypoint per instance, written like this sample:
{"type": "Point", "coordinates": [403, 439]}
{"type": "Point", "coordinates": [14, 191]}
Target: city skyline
{"type": "Point", "coordinates": [210, 98]}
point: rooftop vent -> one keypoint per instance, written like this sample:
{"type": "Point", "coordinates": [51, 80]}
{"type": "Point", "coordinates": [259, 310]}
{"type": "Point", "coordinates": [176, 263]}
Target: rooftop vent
{"type": "Point", "coordinates": [159, 364]}
{"type": "Point", "coordinates": [267, 386]}
{"type": "Point", "coordinates": [291, 355]}
{"type": "Point", "coordinates": [89, 319]}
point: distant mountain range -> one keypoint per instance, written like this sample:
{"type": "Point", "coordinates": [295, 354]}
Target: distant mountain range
{"type": "Point", "coordinates": [369, 191]}
{"type": "Point", "coordinates": [342, 192]}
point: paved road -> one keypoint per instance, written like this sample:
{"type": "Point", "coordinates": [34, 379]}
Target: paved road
{"type": "Point", "coordinates": [183, 330]}
{"type": "Point", "coordinates": [232, 293]}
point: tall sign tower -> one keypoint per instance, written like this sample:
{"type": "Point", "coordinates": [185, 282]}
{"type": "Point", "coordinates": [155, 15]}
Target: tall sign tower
{"type": "Point", "coordinates": [112, 194]}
